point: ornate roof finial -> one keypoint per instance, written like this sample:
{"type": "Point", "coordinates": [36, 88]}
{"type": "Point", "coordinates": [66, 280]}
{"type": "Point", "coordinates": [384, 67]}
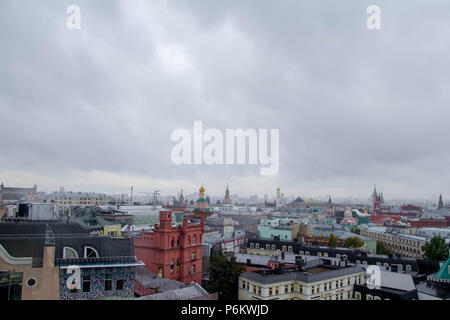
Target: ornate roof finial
{"type": "Point", "coordinates": [49, 236]}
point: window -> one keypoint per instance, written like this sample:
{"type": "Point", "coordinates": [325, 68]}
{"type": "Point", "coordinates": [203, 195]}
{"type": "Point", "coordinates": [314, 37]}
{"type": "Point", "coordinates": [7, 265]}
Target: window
{"type": "Point", "coordinates": [268, 246]}
{"type": "Point", "coordinates": [172, 263]}
{"type": "Point", "coordinates": [178, 264]}
{"type": "Point", "coordinates": [119, 284]}
{"type": "Point", "coordinates": [408, 267]}
{"type": "Point", "coordinates": [274, 247]}
{"type": "Point", "coordinates": [270, 291]}
{"type": "Point", "coordinates": [325, 254]}
{"type": "Point", "coordinates": [193, 268]}
{"type": "Point", "coordinates": [193, 255]}
{"type": "Point", "coordinates": [108, 282]}
{"type": "Point", "coordinates": [257, 245]}
{"type": "Point", "coordinates": [319, 254]}
{"type": "Point", "coordinates": [284, 248]}
{"type": "Point", "coordinates": [178, 242]}
{"type": "Point", "coordinates": [69, 253]}
{"type": "Point", "coordinates": [31, 282]}
{"type": "Point", "coordinates": [172, 243]}
{"type": "Point", "coordinates": [290, 248]}
{"type": "Point", "coordinates": [252, 245]}
{"type": "Point", "coordinates": [90, 252]}
{"type": "Point", "coordinates": [86, 283]}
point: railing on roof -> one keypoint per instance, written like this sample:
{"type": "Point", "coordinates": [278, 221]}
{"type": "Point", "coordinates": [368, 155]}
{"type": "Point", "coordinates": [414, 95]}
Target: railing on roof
{"type": "Point", "coordinates": [101, 260]}
{"type": "Point", "coordinates": [435, 279]}
{"type": "Point", "coordinates": [37, 263]}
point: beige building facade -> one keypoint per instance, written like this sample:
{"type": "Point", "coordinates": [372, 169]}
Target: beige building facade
{"type": "Point", "coordinates": [297, 286]}
{"type": "Point", "coordinates": [38, 280]}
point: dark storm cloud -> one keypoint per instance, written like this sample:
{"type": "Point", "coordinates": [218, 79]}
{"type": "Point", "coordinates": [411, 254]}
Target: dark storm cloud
{"type": "Point", "coordinates": [354, 107]}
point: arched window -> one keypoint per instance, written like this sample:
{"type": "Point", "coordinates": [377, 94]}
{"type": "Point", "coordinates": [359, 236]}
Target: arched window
{"type": "Point", "coordinates": [90, 252]}
{"type": "Point", "coordinates": [70, 253]}
{"type": "Point", "coordinates": [194, 240]}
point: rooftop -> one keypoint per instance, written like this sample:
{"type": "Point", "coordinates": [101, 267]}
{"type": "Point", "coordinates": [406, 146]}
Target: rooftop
{"type": "Point", "coordinates": [311, 275]}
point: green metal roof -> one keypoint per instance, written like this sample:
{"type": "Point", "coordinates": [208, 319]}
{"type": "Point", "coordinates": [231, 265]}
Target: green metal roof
{"type": "Point", "coordinates": [443, 272]}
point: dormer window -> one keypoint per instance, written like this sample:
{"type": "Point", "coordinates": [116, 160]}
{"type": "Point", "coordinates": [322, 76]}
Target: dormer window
{"type": "Point", "coordinates": [69, 253]}
{"type": "Point", "coordinates": [90, 252]}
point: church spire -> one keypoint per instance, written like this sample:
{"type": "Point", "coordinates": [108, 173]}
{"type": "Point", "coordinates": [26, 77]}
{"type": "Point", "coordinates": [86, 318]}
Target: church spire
{"type": "Point", "coordinates": [227, 199]}
{"type": "Point", "coordinates": [441, 202]}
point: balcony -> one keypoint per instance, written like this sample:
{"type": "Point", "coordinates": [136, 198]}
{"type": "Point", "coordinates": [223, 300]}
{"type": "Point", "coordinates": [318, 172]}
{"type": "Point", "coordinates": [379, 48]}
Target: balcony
{"type": "Point", "coordinates": [98, 261]}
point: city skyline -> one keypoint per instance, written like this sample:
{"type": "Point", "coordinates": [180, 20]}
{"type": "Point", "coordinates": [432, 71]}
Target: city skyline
{"type": "Point", "coordinates": [355, 107]}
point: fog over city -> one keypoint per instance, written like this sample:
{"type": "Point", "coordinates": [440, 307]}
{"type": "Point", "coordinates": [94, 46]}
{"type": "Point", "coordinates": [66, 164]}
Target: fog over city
{"type": "Point", "coordinates": [94, 109]}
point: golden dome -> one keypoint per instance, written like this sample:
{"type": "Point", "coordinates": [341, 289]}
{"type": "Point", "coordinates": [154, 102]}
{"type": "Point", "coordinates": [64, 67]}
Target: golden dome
{"type": "Point", "coordinates": [202, 190]}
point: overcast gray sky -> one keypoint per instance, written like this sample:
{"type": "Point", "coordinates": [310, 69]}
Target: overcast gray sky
{"type": "Point", "coordinates": [94, 109]}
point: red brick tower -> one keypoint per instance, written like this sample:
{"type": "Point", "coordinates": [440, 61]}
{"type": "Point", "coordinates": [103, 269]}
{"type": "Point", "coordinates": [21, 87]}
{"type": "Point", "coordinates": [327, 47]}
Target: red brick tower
{"type": "Point", "coordinates": [172, 252]}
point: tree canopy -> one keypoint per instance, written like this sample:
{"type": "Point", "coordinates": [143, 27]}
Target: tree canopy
{"type": "Point", "coordinates": [436, 249]}
{"type": "Point", "coordinates": [354, 242]}
{"type": "Point", "coordinates": [332, 241]}
{"type": "Point", "coordinates": [224, 272]}
{"type": "Point", "coordinates": [381, 248]}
